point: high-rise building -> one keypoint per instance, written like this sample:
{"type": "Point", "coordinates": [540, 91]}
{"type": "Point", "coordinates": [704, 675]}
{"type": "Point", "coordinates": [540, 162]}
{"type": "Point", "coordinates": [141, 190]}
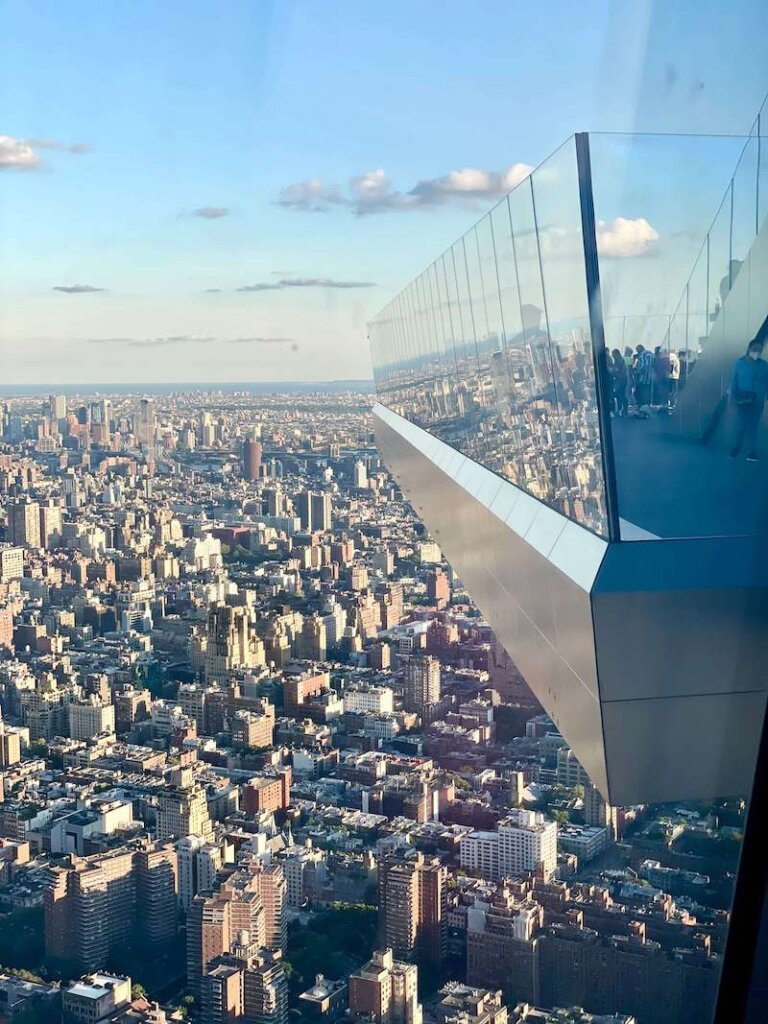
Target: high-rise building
{"type": "Point", "coordinates": [246, 984]}
{"type": "Point", "coordinates": [156, 894]}
{"type": "Point", "coordinates": [11, 563]}
{"type": "Point", "coordinates": [251, 459]}
{"type": "Point", "coordinates": [360, 475]}
{"type": "Point", "coordinates": [58, 406]}
{"type": "Point", "coordinates": [314, 644]}
{"type": "Point", "coordinates": [146, 427]}
{"type": "Point", "coordinates": [321, 512]}
{"type": "Point", "coordinates": [385, 990]}
{"type": "Point", "coordinates": [438, 588]}
{"type": "Point", "coordinates": [10, 745]}
{"type": "Point", "coordinates": [525, 842]}
{"type": "Point", "coordinates": [412, 906]}
{"type": "Point", "coordinates": [216, 921]}
{"type": "Point", "coordinates": [265, 989]}
{"type": "Point", "coordinates": [421, 681]}
{"type": "Point", "coordinates": [182, 808]}
{"type": "Point", "coordinates": [227, 642]}
{"type": "Point", "coordinates": [90, 718]}
{"type": "Point", "coordinates": [274, 500]}
{"type": "Point", "coordinates": [302, 504]}
{"type": "Point", "coordinates": [94, 905]}
{"type": "Point", "coordinates": [198, 864]}
{"type": "Point", "coordinates": [269, 882]}
{"type": "Point", "coordinates": [50, 524]}
{"type": "Point", "coordinates": [500, 944]}
{"type": "Point", "coordinates": [6, 626]}
{"type": "Point", "coordinates": [255, 729]}
{"type": "Point", "coordinates": [100, 418]}
{"type": "Point", "coordinates": [599, 813]}
{"type": "Point", "coordinates": [24, 523]}
{"type": "Point", "coordinates": [221, 993]}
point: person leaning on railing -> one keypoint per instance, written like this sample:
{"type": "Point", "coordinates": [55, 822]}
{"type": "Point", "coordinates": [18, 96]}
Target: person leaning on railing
{"type": "Point", "coordinates": [749, 389]}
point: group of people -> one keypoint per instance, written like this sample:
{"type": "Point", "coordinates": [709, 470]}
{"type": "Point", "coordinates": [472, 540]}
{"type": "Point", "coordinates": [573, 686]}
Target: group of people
{"type": "Point", "coordinates": [642, 380]}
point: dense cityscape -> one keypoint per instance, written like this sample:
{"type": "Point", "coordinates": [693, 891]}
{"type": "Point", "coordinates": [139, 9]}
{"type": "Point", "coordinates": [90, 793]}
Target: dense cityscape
{"type": "Point", "coordinates": [263, 761]}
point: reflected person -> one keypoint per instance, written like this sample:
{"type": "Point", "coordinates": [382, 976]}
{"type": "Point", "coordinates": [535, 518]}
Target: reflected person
{"type": "Point", "coordinates": [749, 388]}
{"type": "Point", "coordinates": [620, 380]}
{"type": "Point", "coordinates": [642, 373]}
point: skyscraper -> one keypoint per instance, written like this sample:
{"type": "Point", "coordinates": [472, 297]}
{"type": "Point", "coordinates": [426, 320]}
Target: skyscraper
{"type": "Point", "coordinates": [94, 905]}
{"type": "Point", "coordinates": [24, 523]}
{"type": "Point", "coordinates": [421, 681]}
{"type": "Point", "coordinates": [198, 863]}
{"type": "Point", "coordinates": [147, 424]}
{"type": "Point", "coordinates": [385, 990]}
{"type": "Point", "coordinates": [182, 809]}
{"type": "Point", "coordinates": [411, 906]}
{"type": "Point", "coordinates": [251, 459]}
{"type": "Point", "coordinates": [321, 512]}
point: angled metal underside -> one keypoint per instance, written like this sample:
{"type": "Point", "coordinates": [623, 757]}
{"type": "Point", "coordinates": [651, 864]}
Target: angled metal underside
{"type": "Point", "coordinates": [649, 656]}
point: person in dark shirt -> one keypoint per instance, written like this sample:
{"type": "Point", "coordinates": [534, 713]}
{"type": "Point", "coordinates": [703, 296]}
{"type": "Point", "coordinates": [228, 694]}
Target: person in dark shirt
{"type": "Point", "coordinates": [749, 389]}
{"type": "Point", "coordinates": [660, 377]}
{"type": "Point", "coordinates": [620, 379]}
{"type": "Point", "coordinates": [642, 373]}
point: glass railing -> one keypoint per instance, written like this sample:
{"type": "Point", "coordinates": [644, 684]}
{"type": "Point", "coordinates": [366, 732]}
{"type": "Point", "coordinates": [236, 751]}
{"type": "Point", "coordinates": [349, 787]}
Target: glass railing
{"type": "Point", "coordinates": [681, 438]}
{"type": "Point", "coordinates": [494, 347]}
{"type": "Point", "coordinates": [490, 347]}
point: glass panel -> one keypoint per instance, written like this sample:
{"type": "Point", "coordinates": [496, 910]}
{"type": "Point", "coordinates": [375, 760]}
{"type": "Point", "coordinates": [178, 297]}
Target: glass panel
{"type": "Point", "coordinates": [532, 464]}
{"type": "Point", "coordinates": [495, 354]}
{"type": "Point", "coordinates": [676, 225]}
{"type": "Point", "coordinates": [745, 200]}
{"type": "Point", "coordinates": [466, 351]}
{"type": "Point", "coordinates": [761, 129]}
{"type": "Point", "coordinates": [576, 465]}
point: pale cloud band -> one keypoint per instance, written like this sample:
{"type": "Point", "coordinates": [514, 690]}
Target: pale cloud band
{"type": "Point", "coordinates": [187, 339]}
{"type": "Point", "coordinates": [373, 191]}
{"type": "Point", "coordinates": [303, 282]}
{"type": "Point", "coordinates": [22, 154]}
{"type": "Point", "coordinates": [211, 212]}
{"type": "Point", "coordinates": [77, 289]}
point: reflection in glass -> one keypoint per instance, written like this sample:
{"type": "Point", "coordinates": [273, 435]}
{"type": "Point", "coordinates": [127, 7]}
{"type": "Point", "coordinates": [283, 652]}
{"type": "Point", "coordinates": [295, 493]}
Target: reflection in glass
{"type": "Point", "coordinates": [680, 470]}
{"type": "Point", "coordinates": [491, 348]}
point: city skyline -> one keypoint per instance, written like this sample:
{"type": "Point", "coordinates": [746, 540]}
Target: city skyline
{"type": "Point", "coordinates": [238, 208]}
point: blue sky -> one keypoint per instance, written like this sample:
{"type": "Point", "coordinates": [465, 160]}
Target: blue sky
{"type": "Point", "coordinates": [213, 107]}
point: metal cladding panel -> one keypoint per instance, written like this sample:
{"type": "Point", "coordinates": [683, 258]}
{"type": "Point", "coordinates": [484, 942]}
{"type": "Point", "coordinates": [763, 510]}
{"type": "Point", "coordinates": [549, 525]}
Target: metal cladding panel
{"type": "Point", "coordinates": [681, 631]}
{"type": "Point", "coordinates": [702, 746]}
{"type": "Point", "coordinates": [539, 610]}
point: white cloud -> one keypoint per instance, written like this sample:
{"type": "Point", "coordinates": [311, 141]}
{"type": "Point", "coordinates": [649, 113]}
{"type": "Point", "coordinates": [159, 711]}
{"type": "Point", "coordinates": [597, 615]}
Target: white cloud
{"type": "Point", "coordinates": [304, 282]}
{"type": "Point", "coordinates": [373, 191]}
{"type": "Point", "coordinates": [624, 237]}
{"type": "Point", "coordinates": [211, 212]}
{"type": "Point", "coordinates": [17, 154]}
{"type": "Point", "coordinates": [22, 155]}
{"type": "Point", "coordinates": [312, 195]}
{"type": "Point", "coordinates": [470, 183]}
{"type": "Point", "coordinates": [77, 289]}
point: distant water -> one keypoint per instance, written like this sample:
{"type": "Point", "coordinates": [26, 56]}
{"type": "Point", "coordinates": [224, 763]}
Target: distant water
{"type": "Point", "coordinates": [298, 387]}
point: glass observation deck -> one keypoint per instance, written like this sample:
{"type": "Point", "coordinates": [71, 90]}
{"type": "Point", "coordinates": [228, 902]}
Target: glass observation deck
{"type": "Point", "coordinates": [579, 340]}
{"type": "Point", "coordinates": [555, 397]}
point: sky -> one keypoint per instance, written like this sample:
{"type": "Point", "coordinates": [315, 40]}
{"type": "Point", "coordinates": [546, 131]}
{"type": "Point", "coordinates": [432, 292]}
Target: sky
{"type": "Point", "coordinates": [212, 192]}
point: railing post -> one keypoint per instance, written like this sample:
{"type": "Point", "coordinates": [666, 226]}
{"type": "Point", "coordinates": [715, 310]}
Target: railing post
{"type": "Point", "coordinates": [597, 331]}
